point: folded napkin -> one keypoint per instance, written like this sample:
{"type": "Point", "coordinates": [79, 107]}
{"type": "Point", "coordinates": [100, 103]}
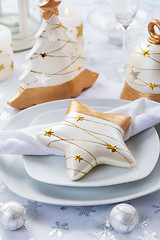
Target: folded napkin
{"type": "Point", "coordinates": [144, 113]}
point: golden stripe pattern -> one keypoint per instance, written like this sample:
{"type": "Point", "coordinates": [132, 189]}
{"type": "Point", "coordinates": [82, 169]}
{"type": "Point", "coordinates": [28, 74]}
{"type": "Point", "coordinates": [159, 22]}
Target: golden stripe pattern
{"type": "Point", "coordinates": [101, 142]}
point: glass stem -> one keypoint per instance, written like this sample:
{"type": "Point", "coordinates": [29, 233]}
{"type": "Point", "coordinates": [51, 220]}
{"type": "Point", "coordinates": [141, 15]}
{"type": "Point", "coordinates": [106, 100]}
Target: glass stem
{"type": "Point", "coordinates": [125, 46]}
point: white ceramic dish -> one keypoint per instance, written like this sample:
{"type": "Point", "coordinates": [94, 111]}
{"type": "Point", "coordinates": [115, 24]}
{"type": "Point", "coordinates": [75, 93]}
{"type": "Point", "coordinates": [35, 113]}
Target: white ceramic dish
{"type": "Point", "coordinates": [17, 179]}
{"type": "Point", "coordinates": [52, 169]}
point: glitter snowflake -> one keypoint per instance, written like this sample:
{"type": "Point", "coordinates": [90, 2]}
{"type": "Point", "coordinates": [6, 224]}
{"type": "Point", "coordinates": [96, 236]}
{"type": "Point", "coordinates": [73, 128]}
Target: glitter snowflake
{"type": "Point", "coordinates": [2, 188]}
{"type": "Point", "coordinates": [149, 236]}
{"type": "Point", "coordinates": [157, 207]}
{"type": "Point", "coordinates": [58, 229]}
{"type": "Point", "coordinates": [86, 210]}
{"type": "Point", "coordinates": [143, 222]}
{"type": "Point", "coordinates": [104, 235]}
{"type": "Point", "coordinates": [102, 232]}
{"type": "Point", "coordinates": [33, 205]}
{"type": "Point", "coordinates": [63, 208]}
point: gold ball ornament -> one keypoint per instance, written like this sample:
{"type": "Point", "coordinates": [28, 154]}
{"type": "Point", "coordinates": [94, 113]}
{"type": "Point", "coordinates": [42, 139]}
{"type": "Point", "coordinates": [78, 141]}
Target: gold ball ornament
{"type": "Point", "coordinates": [143, 73]}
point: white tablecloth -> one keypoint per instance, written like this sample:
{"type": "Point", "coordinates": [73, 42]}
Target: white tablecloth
{"type": "Point", "coordinates": [46, 222]}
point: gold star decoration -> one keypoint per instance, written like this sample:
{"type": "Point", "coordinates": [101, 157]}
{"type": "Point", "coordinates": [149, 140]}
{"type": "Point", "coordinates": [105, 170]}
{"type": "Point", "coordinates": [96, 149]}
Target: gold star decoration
{"type": "Point", "coordinates": [152, 85]}
{"type": "Point", "coordinates": [112, 148]}
{"type": "Point", "coordinates": [145, 53]}
{"type": "Point", "coordinates": [60, 25]}
{"type": "Point", "coordinates": [1, 51]}
{"type": "Point", "coordinates": [1, 67]}
{"type": "Point", "coordinates": [12, 65]}
{"type": "Point", "coordinates": [79, 68]}
{"type": "Point", "coordinates": [49, 7]}
{"type": "Point", "coordinates": [48, 133]}
{"type": "Point", "coordinates": [43, 55]}
{"type": "Point", "coordinates": [78, 157]}
{"type": "Point", "coordinates": [79, 118]}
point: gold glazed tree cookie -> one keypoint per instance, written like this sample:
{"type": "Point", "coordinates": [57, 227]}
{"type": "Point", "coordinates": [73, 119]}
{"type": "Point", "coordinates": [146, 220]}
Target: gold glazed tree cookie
{"type": "Point", "coordinates": [56, 63]}
{"type": "Point", "coordinates": [89, 138]}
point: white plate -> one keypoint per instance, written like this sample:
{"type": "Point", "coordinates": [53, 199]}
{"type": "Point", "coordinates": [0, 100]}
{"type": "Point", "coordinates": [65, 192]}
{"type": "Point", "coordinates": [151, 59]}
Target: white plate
{"type": "Point", "coordinates": [17, 179]}
{"type": "Point", "coordinates": [52, 169]}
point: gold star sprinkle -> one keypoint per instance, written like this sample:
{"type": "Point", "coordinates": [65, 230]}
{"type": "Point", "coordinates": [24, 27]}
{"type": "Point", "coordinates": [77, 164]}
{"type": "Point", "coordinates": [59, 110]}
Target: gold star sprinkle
{"type": "Point", "coordinates": [1, 67]}
{"type": "Point", "coordinates": [79, 68]}
{"type": "Point", "coordinates": [79, 118]}
{"type": "Point", "coordinates": [1, 51]}
{"type": "Point", "coordinates": [12, 65]}
{"type": "Point", "coordinates": [48, 133]}
{"type": "Point", "coordinates": [43, 55]}
{"type": "Point", "coordinates": [78, 157]}
{"type": "Point", "coordinates": [152, 85]}
{"type": "Point", "coordinates": [60, 25]}
{"type": "Point", "coordinates": [112, 148]}
{"type": "Point", "coordinates": [145, 53]}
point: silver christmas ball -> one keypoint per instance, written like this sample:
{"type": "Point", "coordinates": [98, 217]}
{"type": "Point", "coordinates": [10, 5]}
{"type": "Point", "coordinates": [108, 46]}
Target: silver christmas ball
{"type": "Point", "coordinates": [123, 218]}
{"type": "Point", "coordinates": [12, 215]}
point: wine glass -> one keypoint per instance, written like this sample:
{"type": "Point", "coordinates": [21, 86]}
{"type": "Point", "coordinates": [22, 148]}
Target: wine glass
{"type": "Point", "coordinates": [124, 11]}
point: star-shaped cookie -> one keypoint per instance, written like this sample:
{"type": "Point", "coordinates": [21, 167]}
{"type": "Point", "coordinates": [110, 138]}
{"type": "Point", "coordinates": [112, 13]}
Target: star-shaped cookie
{"type": "Point", "coordinates": [49, 7]}
{"type": "Point", "coordinates": [89, 138]}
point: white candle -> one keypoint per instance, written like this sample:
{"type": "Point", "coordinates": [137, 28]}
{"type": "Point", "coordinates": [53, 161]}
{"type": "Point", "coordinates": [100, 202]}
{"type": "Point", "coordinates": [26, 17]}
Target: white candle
{"type": "Point", "coordinates": [6, 53]}
{"type": "Point", "coordinates": [70, 16]}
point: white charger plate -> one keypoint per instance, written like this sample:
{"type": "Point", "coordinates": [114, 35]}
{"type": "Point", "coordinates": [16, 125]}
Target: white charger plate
{"type": "Point", "coordinates": [52, 169]}
{"type": "Point", "coordinates": [17, 179]}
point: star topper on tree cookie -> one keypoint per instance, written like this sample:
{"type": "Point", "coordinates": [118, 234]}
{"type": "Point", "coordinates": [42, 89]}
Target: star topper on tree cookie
{"type": "Point", "coordinates": [56, 63]}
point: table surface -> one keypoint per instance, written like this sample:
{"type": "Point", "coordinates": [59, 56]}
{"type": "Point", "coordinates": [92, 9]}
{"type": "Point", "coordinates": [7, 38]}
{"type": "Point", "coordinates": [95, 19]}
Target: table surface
{"type": "Point", "coordinates": [86, 222]}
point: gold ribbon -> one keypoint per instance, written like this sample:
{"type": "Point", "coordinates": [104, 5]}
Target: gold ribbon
{"type": "Point", "coordinates": [129, 93]}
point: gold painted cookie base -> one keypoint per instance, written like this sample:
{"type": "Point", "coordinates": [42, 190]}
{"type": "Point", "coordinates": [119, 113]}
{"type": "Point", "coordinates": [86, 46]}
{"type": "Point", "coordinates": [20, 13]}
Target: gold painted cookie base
{"type": "Point", "coordinates": [129, 93]}
{"type": "Point", "coordinates": [25, 98]}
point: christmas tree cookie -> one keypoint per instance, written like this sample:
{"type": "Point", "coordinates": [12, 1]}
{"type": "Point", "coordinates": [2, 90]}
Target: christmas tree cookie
{"type": "Point", "coordinates": [56, 63]}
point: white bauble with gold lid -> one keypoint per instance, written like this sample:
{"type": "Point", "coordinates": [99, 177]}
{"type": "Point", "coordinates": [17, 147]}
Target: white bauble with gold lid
{"type": "Point", "coordinates": [143, 73]}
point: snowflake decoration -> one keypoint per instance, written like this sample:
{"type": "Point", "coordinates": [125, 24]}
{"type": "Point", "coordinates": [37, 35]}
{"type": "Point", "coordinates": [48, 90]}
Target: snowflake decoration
{"type": "Point", "coordinates": [52, 36]}
{"type": "Point", "coordinates": [157, 207]}
{"type": "Point", "coordinates": [58, 229]}
{"type": "Point", "coordinates": [2, 188]}
{"type": "Point", "coordinates": [63, 208]}
{"type": "Point", "coordinates": [103, 232]}
{"type": "Point", "coordinates": [4, 116]}
{"type": "Point", "coordinates": [31, 205]}
{"type": "Point", "coordinates": [86, 210]}
{"type": "Point", "coordinates": [143, 222]}
{"type": "Point", "coordinates": [149, 236]}
{"type": "Point", "coordinates": [133, 75]}
{"type": "Point", "coordinates": [72, 33]}
{"type": "Point", "coordinates": [42, 78]}
{"type": "Point", "coordinates": [104, 236]}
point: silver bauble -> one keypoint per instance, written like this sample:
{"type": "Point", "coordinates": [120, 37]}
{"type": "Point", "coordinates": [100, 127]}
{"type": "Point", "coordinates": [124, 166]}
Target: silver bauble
{"type": "Point", "coordinates": [123, 218]}
{"type": "Point", "coordinates": [12, 215]}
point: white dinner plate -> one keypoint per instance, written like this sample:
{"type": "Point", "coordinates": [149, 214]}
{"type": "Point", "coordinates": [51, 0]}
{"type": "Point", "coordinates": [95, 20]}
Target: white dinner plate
{"type": "Point", "coordinates": [52, 169]}
{"type": "Point", "coordinates": [17, 179]}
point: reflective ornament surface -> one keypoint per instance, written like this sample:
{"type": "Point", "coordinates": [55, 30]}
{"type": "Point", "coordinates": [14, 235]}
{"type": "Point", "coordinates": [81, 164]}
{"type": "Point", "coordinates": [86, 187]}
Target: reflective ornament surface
{"type": "Point", "coordinates": [123, 218]}
{"type": "Point", "coordinates": [12, 215]}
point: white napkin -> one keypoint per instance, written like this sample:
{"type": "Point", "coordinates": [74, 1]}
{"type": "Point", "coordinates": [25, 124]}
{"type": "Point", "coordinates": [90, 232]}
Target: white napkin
{"type": "Point", "coordinates": [145, 113]}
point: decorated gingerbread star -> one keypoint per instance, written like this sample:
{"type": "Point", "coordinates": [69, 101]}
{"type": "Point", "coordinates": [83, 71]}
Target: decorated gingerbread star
{"type": "Point", "coordinates": [96, 138]}
{"type": "Point", "coordinates": [49, 7]}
